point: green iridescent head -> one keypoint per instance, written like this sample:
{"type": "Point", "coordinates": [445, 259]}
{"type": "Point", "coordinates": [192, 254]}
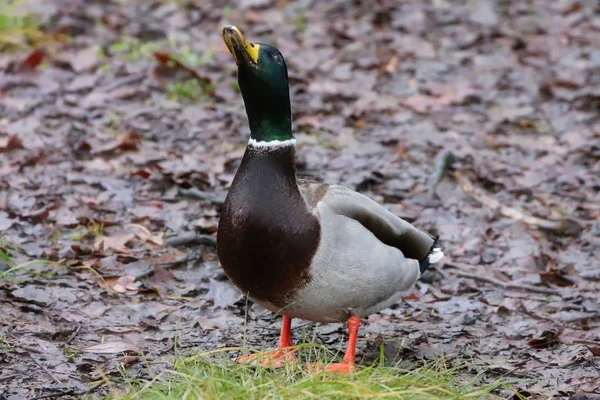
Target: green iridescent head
{"type": "Point", "coordinates": [263, 79]}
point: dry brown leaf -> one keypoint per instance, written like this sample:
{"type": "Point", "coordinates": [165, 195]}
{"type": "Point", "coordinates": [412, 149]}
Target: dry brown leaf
{"type": "Point", "coordinates": [144, 234]}
{"type": "Point", "coordinates": [112, 347]}
{"type": "Point", "coordinates": [418, 103]}
{"type": "Point", "coordinates": [392, 65]}
{"type": "Point", "coordinates": [39, 215]}
{"type": "Point", "coordinates": [116, 243]}
{"type": "Point", "coordinates": [34, 59]}
{"type": "Point", "coordinates": [547, 339]}
{"type": "Point", "coordinates": [128, 360]}
{"type": "Point", "coordinates": [557, 278]}
{"type": "Point", "coordinates": [124, 284]}
{"type": "Point", "coordinates": [162, 275]}
{"type": "Point", "coordinates": [595, 350]}
{"type": "Point", "coordinates": [167, 61]}
{"type": "Point", "coordinates": [120, 329]}
{"type": "Point", "coordinates": [412, 296]}
{"type": "Point", "coordinates": [124, 142]}
{"type": "Point", "coordinates": [10, 143]}
{"type": "Point", "coordinates": [448, 95]}
{"type": "Point", "coordinates": [84, 59]}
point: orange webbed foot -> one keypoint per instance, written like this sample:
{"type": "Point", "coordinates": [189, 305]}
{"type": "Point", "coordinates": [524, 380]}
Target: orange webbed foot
{"type": "Point", "coordinates": [338, 368]}
{"type": "Point", "coordinates": [347, 364]}
{"type": "Point", "coordinates": [277, 358]}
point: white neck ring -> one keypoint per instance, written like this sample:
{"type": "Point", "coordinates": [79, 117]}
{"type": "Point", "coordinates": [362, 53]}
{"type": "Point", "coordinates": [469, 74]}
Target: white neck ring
{"type": "Point", "coordinates": [271, 144]}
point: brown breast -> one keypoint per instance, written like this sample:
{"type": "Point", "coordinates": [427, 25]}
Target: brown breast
{"type": "Point", "coordinates": [267, 235]}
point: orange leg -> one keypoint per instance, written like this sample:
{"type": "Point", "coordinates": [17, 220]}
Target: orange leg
{"type": "Point", "coordinates": [280, 356]}
{"type": "Point", "coordinates": [347, 363]}
{"type": "Point", "coordinates": [285, 337]}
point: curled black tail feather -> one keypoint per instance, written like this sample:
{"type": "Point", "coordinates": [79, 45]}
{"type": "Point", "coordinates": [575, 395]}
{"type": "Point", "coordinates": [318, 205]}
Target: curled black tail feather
{"type": "Point", "coordinates": [425, 262]}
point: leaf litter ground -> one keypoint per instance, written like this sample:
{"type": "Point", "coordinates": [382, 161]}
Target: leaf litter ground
{"type": "Point", "coordinates": [119, 137]}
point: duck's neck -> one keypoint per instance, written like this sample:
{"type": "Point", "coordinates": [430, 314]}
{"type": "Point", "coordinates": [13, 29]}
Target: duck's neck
{"type": "Point", "coordinates": [269, 116]}
{"type": "Point", "coordinates": [271, 133]}
{"type": "Point", "coordinates": [272, 147]}
{"type": "Point", "coordinates": [273, 129]}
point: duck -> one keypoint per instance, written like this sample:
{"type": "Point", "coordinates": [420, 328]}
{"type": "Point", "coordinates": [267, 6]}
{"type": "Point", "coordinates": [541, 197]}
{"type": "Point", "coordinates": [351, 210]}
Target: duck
{"type": "Point", "coordinates": [315, 251]}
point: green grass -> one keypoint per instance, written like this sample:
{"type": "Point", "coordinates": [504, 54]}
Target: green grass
{"type": "Point", "coordinates": [300, 21]}
{"type": "Point", "coordinates": [133, 48]}
{"type": "Point", "coordinates": [191, 90]}
{"type": "Point", "coordinates": [187, 56]}
{"type": "Point", "coordinates": [9, 268]}
{"type": "Point", "coordinates": [70, 353]}
{"type": "Point", "coordinates": [213, 375]}
{"type": "Point", "coordinates": [20, 29]}
{"type": "Point", "coordinates": [4, 344]}
{"type": "Point", "coordinates": [17, 30]}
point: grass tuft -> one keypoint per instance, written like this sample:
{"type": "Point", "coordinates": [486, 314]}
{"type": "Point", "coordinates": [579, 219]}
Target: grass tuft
{"type": "Point", "coordinates": [20, 29]}
{"type": "Point", "coordinates": [17, 30]}
{"type": "Point", "coordinates": [34, 268]}
{"type": "Point", "coordinates": [190, 90]}
{"type": "Point", "coordinates": [300, 21]}
{"type": "Point", "coordinates": [133, 49]}
{"type": "Point", "coordinates": [212, 375]}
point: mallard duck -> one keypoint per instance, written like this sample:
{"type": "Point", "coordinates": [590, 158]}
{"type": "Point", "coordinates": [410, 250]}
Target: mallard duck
{"type": "Point", "coordinates": [306, 250]}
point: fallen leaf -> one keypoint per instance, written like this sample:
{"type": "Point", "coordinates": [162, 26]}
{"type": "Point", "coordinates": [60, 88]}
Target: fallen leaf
{"type": "Point", "coordinates": [5, 222]}
{"type": "Point", "coordinates": [98, 164]}
{"type": "Point", "coordinates": [412, 296]}
{"type": "Point", "coordinates": [128, 360]}
{"type": "Point", "coordinates": [84, 60]}
{"type": "Point", "coordinates": [207, 324]}
{"type": "Point", "coordinates": [168, 62]}
{"type": "Point", "coordinates": [32, 294]}
{"type": "Point", "coordinates": [162, 275]}
{"type": "Point", "coordinates": [460, 93]}
{"type": "Point", "coordinates": [114, 21]}
{"type": "Point", "coordinates": [34, 59]}
{"type": "Point", "coordinates": [144, 234]}
{"type": "Point", "coordinates": [37, 216]}
{"type": "Point", "coordinates": [117, 243]}
{"type": "Point", "coordinates": [595, 350]}
{"type": "Point", "coordinates": [547, 339]}
{"type": "Point", "coordinates": [223, 294]}
{"type": "Point", "coordinates": [392, 65]}
{"type": "Point", "coordinates": [557, 278]}
{"type": "Point", "coordinates": [162, 281]}
{"type": "Point", "coordinates": [122, 284]}
{"type": "Point", "coordinates": [571, 8]}
{"type": "Point", "coordinates": [120, 329]}
{"type": "Point", "coordinates": [10, 143]}
{"type": "Point", "coordinates": [112, 347]}
{"type": "Point", "coordinates": [124, 142]}
{"type": "Point", "coordinates": [418, 103]}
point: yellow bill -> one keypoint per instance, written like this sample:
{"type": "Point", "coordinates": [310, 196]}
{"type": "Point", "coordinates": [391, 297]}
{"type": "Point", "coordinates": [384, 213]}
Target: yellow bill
{"type": "Point", "coordinates": [241, 49]}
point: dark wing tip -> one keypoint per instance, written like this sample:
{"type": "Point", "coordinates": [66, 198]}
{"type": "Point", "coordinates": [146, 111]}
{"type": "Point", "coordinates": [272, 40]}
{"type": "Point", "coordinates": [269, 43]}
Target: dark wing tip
{"type": "Point", "coordinates": [434, 255]}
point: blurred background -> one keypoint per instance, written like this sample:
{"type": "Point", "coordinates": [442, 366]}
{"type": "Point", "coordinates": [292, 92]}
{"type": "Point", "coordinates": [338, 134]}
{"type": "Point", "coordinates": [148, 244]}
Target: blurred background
{"type": "Point", "coordinates": [122, 125]}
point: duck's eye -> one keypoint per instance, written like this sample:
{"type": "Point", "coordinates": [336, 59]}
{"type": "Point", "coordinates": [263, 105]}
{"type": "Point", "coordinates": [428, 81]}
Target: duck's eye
{"type": "Point", "coordinates": [277, 59]}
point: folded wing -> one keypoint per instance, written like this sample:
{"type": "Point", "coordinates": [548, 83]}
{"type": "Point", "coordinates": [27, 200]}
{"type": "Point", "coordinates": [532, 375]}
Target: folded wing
{"type": "Point", "coordinates": [387, 227]}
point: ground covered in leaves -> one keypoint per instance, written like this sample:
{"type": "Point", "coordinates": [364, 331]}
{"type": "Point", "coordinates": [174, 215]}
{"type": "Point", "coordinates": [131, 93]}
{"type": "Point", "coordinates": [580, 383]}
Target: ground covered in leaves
{"type": "Point", "coordinates": [121, 127]}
